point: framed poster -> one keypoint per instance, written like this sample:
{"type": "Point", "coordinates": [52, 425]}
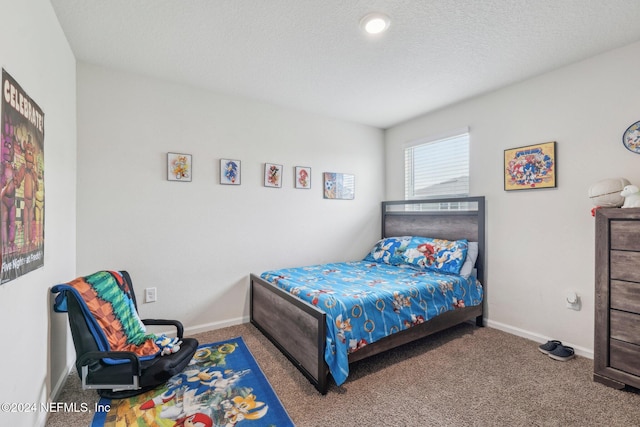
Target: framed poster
{"type": "Point", "coordinates": [339, 186]}
{"type": "Point", "coordinates": [22, 176]}
{"type": "Point", "coordinates": [303, 177]}
{"type": "Point", "coordinates": [230, 171]}
{"type": "Point", "coordinates": [179, 167]}
{"type": "Point", "coordinates": [529, 167]}
{"type": "Point", "coordinates": [272, 175]}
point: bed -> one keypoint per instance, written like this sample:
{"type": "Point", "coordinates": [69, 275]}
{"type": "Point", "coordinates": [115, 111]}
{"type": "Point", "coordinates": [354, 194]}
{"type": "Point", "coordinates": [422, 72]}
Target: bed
{"type": "Point", "coordinates": [320, 342]}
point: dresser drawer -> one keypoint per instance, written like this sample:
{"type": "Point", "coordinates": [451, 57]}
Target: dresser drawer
{"type": "Point", "coordinates": [625, 296]}
{"type": "Point", "coordinates": [625, 265]}
{"type": "Point", "coordinates": [625, 326]}
{"type": "Point", "coordinates": [624, 356]}
{"type": "Point", "coordinates": [625, 235]}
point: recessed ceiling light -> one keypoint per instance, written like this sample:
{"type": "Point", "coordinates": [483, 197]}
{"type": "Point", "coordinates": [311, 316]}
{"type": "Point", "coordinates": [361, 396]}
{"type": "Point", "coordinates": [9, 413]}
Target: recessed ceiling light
{"type": "Point", "coordinates": [375, 23]}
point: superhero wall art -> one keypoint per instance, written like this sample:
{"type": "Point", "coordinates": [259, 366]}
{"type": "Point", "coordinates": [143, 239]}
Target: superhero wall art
{"type": "Point", "coordinates": [21, 181]}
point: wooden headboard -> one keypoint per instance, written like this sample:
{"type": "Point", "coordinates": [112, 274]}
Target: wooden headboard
{"type": "Point", "coordinates": [450, 219]}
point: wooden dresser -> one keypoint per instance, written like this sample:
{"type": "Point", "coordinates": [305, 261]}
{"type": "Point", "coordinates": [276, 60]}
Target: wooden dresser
{"type": "Point", "coordinates": [617, 297]}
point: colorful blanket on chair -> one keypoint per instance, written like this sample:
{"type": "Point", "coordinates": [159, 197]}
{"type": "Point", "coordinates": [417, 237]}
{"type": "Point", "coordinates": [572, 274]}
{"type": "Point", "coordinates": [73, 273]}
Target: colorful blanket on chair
{"type": "Point", "coordinates": [107, 302]}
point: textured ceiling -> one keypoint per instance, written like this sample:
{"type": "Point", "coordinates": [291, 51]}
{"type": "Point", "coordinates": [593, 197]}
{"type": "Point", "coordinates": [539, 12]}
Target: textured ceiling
{"type": "Point", "coordinates": [311, 55]}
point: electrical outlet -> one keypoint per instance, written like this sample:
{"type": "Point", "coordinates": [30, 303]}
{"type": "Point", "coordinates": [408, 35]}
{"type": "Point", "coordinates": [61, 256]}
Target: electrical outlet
{"type": "Point", "coordinates": [150, 294]}
{"type": "Point", "coordinates": [573, 301]}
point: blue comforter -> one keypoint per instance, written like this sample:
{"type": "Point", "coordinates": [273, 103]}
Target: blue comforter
{"type": "Point", "coordinates": [366, 301]}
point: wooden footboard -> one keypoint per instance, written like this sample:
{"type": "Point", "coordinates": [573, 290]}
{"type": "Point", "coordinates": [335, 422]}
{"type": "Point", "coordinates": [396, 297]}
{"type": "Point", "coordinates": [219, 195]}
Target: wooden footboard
{"type": "Point", "coordinates": [436, 324]}
{"type": "Point", "coordinates": [296, 327]}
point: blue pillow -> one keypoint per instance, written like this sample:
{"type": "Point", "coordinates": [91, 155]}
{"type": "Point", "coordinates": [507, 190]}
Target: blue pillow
{"type": "Point", "coordinates": [389, 250]}
{"type": "Point", "coordinates": [440, 255]}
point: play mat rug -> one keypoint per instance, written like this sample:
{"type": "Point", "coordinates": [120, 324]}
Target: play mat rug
{"type": "Point", "coordinates": [221, 386]}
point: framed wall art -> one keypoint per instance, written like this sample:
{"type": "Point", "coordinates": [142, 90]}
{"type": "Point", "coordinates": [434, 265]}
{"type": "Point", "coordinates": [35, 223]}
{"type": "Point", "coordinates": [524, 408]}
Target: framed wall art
{"type": "Point", "coordinates": [230, 171]}
{"type": "Point", "coordinates": [529, 167]}
{"type": "Point", "coordinates": [339, 186]}
{"type": "Point", "coordinates": [272, 175]}
{"type": "Point", "coordinates": [179, 167]}
{"type": "Point", "coordinates": [303, 177]}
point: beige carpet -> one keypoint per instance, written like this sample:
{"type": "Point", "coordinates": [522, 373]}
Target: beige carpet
{"type": "Point", "coordinates": [466, 376]}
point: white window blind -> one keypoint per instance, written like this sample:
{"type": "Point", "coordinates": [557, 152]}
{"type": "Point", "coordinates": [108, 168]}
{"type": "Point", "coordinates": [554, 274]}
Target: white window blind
{"type": "Point", "coordinates": [437, 167]}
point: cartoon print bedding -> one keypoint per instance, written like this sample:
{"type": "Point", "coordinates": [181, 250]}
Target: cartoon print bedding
{"type": "Point", "coordinates": [366, 301]}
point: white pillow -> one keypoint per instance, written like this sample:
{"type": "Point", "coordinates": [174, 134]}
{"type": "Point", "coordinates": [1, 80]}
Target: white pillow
{"type": "Point", "coordinates": [470, 260]}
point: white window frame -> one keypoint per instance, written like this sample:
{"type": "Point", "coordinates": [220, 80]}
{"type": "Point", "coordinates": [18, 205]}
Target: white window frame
{"type": "Point", "coordinates": [409, 165]}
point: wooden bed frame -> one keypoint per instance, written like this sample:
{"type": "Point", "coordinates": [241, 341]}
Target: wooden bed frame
{"type": "Point", "coordinates": [298, 328]}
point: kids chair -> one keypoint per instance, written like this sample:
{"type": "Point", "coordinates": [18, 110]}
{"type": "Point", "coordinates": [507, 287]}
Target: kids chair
{"type": "Point", "coordinates": [114, 353]}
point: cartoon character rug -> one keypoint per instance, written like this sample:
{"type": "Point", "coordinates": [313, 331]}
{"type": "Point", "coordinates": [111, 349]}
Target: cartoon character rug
{"type": "Point", "coordinates": [222, 386]}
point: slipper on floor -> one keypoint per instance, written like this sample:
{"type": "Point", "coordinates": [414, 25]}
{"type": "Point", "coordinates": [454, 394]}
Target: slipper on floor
{"type": "Point", "coordinates": [562, 353]}
{"type": "Point", "coordinates": [549, 346]}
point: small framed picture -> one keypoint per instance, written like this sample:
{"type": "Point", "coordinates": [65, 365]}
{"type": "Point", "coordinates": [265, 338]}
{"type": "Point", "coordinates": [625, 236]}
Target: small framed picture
{"type": "Point", "coordinates": [339, 185]}
{"type": "Point", "coordinates": [303, 177]}
{"type": "Point", "coordinates": [230, 172]}
{"type": "Point", "coordinates": [179, 167]}
{"type": "Point", "coordinates": [272, 175]}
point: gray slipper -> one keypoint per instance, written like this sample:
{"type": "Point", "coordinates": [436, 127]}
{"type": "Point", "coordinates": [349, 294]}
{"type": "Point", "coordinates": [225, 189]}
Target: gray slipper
{"type": "Point", "coordinates": [549, 346]}
{"type": "Point", "coordinates": [562, 353]}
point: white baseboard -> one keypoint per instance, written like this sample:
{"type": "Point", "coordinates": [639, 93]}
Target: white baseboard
{"type": "Point", "coordinates": [57, 388]}
{"type": "Point", "coordinates": [580, 351]}
{"type": "Point", "coordinates": [55, 392]}
{"type": "Point", "coordinates": [42, 419]}
{"type": "Point", "coordinates": [215, 325]}
{"type": "Point", "coordinates": [205, 327]}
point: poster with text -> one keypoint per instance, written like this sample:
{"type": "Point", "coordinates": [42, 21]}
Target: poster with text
{"type": "Point", "coordinates": [22, 182]}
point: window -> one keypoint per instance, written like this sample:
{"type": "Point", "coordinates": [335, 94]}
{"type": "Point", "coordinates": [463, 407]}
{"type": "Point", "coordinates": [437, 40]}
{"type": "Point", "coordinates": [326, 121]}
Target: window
{"type": "Point", "coordinates": [437, 167]}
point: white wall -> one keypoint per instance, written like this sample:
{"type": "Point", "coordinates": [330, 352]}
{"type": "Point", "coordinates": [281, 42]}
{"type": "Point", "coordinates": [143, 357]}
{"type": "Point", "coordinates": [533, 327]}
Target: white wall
{"type": "Point", "coordinates": [197, 242]}
{"type": "Point", "coordinates": [34, 51]}
{"type": "Point", "coordinates": [541, 242]}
